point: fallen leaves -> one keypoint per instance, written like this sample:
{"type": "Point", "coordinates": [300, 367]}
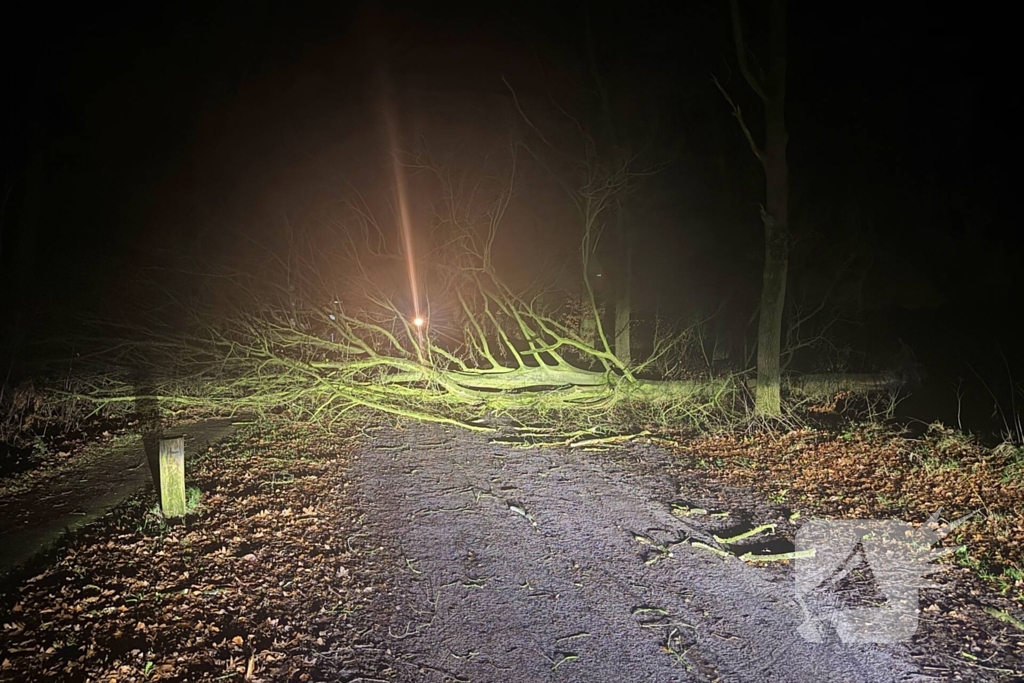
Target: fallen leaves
{"type": "Point", "coordinates": [261, 586]}
{"type": "Point", "coordinates": [870, 473]}
{"type": "Point", "coordinates": [867, 473]}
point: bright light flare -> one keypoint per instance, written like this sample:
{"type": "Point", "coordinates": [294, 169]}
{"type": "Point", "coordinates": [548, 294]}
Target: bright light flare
{"type": "Point", "coordinates": [403, 204]}
{"type": "Point", "coordinates": [418, 322]}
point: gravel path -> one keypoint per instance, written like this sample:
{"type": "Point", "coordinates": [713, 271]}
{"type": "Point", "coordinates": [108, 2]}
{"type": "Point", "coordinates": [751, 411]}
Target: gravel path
{"type": "Point", "coordinates": [524, 565]}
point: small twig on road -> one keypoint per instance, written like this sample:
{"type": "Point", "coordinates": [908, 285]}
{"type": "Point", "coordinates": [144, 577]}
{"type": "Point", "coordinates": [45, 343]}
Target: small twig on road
{"type": "Point", "coordinates": [672, 643]}
{"type": "Point", "coordinates": [746, 534]}
{"type": "Point", "coordinates": [566, 657]}
{"type": "Point", "coordinates": [522, 513]}
{"type": "Point", "coordinates": [687, 511]}
{"type": "Point", "coordinates": [704, 546]}
{"type": "Point", "coordinates": [778, 557]}
{"type": "Point", "coordinates": [605, 440]}
{"type": "Point", "coordinates": [645, 609]}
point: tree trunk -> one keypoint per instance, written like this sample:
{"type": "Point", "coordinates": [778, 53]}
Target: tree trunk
{"type": "Point", "coordinates": [590, 300]}
{"type": "Point", "coordinates": [775, 216]}
{"type": "Point", "coordinates": [588, 326]}
{"type": "Point", "coordinates": [769, 331]}
{"type": "Point", "coordinates": [618, 297]}
{"type": "Point", "coordinates": [623, 298]}
{"type": "Point", "coordinates": [771, 90]}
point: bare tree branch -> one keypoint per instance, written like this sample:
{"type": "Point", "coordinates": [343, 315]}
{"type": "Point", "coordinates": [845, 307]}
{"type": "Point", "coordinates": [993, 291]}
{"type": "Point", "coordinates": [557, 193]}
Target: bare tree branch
{"type": "Point", "coordinates": [741, 52]}
{"type": "Point", "coordinates": [739, 117]}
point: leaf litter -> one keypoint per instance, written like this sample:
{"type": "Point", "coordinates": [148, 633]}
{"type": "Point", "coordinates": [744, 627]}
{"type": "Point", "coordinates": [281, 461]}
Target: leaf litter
{"type": "Point", "coordinates": [967, 627]}
{"type": "Point", "coordinates": [270, 581]}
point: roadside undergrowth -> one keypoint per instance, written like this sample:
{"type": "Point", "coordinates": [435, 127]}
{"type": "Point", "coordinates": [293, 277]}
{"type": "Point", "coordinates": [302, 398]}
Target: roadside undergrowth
{"type": "Point", "coordinates": [871, 471]}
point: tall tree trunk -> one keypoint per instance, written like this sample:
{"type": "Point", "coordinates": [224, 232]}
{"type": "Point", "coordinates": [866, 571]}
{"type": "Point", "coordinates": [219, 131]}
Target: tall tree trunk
{"type": "Point", "coordinates": [776, 226]}
{"type": "Point", "coordinates": [619, 289]}
{"type": "Point", "coordinates": [775, 212]}
{"type": "Point", "coordinates": [588, 326]}
{"type": "Point", "coordinates": [623, 294]}
{"type": "Point", "coordinates": [767, 400]}
{"type": "Point", "coordinates": [592, 301]}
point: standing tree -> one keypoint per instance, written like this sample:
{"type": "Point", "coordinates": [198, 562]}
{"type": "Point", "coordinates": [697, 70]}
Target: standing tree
{"type": "Point", "coordinates": [624, 291]}
{"type": "Point", "coordinates": [771, 89]}
{"type": "Point", "coordinates": [621, 299]}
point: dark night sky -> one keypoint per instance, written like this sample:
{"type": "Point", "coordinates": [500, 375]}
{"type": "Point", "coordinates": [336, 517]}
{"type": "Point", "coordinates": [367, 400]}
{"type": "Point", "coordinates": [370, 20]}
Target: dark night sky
{"type": "Point", "coordinates": [135, 133]}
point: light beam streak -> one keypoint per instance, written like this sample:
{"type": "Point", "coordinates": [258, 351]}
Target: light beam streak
{"type": "Point", "coordinates": [403, 211]}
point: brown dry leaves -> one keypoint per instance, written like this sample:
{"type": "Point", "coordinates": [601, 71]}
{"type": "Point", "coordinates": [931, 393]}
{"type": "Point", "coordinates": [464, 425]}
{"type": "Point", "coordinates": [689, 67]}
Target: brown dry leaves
{"type": "Point", "coordinates": [266, 583]}
{"type": "Point", "coordinates": [870, 473]}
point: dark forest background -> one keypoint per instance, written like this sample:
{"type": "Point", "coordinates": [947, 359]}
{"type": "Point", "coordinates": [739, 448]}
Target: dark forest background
{"type": "Point", "coordinates": [156, 143]}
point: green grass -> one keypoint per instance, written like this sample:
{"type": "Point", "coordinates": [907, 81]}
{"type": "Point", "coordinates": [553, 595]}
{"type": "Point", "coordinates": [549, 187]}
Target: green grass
{"type": "Point", "coordinates": [193, 506]}
{"type": "Point", "coordinates": [934, 463]}
{"type": "Point", "coordinates": [1013, 458]}
{"type": "Point", "coordinates": [193, 500]}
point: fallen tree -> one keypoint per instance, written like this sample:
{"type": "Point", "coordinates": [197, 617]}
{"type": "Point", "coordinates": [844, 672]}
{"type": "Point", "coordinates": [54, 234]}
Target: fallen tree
{"type": "Point", "coordinates": [502, 352]}
{"type": "Point", "coordinates": [512, 360]}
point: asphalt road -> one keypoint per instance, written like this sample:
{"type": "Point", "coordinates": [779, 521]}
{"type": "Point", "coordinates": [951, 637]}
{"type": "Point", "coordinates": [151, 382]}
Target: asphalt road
{"type": "Point", "coordinates": [525, 565]}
